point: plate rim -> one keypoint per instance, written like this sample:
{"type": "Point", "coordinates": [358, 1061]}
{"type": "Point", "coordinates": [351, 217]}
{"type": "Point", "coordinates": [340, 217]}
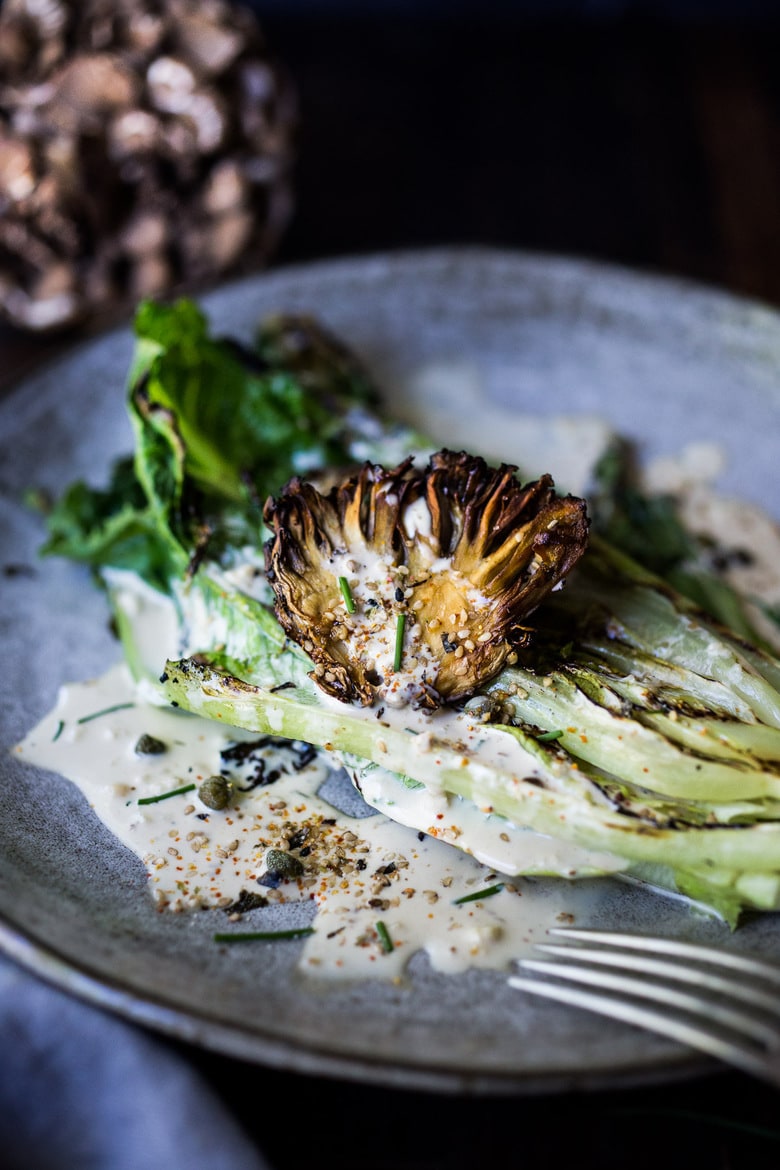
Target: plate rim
{"type": "Point", "coordinates": [674, 1063]}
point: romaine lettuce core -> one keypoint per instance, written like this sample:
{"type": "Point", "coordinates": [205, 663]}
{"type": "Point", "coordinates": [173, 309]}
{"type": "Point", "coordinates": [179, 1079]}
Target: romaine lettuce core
{"type": "Point", "coordinates": [415, 584]}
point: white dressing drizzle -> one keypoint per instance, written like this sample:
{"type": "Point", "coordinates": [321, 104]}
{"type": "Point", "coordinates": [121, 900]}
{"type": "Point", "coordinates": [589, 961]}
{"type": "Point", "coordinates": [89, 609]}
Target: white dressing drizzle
{"type": "Point", "coordinates": [357, 870]}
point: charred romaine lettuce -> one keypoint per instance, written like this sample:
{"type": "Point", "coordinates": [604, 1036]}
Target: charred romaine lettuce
{"type": "Point", "coordinates": [418, 580]}
{"type": "Point", "coordinates": [649, 529]}
{"type": "Point", "coordinates": [638, 724]}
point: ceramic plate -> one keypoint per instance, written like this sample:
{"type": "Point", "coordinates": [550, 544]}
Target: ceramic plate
{"type": "Point", "coordinates": [663, 362]}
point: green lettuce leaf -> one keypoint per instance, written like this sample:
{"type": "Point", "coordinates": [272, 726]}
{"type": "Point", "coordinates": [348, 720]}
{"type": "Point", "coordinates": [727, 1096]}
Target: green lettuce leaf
{"type": "Point", "coordinates": [218, 427]}
{"type": "Point", "coordinates": [648, 528]}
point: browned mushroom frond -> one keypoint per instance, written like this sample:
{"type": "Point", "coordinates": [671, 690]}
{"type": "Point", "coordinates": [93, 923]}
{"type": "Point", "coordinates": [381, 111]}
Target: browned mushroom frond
{"type": "Point", "coordinates": [413, 586]}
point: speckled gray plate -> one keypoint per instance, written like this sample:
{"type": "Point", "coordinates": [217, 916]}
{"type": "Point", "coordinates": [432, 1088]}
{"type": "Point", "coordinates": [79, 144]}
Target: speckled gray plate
{"type": "Point", "coordinates": [664, 361]}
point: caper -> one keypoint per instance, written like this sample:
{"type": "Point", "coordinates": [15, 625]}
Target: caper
{"type": "Point", "coordinates": [283, 864]}
{"type": "Point", "coordinates": [149, 746]}
{"type": "Point", "coordinates": [215, 792]}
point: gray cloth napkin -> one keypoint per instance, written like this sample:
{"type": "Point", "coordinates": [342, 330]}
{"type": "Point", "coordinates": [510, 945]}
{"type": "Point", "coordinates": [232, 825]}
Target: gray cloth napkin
{"type": "Point", "coordinates": [83, 1090]}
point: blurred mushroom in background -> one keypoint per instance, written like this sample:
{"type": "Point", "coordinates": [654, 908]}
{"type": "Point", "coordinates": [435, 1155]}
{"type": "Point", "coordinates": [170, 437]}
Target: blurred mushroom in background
{"type": "Point", "coordinates": [145, 148]}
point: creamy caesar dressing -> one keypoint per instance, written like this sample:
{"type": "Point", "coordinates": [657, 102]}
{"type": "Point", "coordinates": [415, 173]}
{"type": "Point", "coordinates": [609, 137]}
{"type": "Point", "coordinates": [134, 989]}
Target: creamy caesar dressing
{"type": "Point", "coordinates": [367, 625]}
{"type": "Point", "coordinates": [358, 871]}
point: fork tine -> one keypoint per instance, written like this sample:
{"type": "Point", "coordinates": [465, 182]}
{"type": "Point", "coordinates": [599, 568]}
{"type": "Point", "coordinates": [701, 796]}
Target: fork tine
{"type": "Point", "coordinates": [737, 1021]}
{"type": "Point", "coordinates": [722, 985]}
{"type": "Point", "coordinates": [748, 964]}
{"type": "Point", "coordinates": [655, 1021]}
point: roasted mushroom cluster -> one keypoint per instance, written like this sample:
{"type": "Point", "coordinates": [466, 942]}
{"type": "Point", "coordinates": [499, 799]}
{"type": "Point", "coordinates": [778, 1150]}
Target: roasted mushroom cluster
{"type": "Point", "coordinates": [413, 586]}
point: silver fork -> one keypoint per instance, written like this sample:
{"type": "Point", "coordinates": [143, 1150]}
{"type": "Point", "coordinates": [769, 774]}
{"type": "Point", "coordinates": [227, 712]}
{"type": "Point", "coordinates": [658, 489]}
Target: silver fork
{"type": "Point", "coordinates": [731, 1010]}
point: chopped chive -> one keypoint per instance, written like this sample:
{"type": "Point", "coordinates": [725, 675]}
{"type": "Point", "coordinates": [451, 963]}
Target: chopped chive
{"type": "Point", "coordinates": [263, 935]}
{"type": "Point", "coordinates": [59, 731]}
{"type": "Point", "coordinates": [400, 627]}
{"type": "Point", "coordinates": [384, 937]}
{"type": "Point", "coordinates": [105, 711]}
{"type": "Point", "coordinates": [549, 736]}
{"type": "Point", "coordinates": [346, 593]}
{"type": "Point", "coordinates": [478, 895]}
{"type": "Point", "coordinates": [165, 795]}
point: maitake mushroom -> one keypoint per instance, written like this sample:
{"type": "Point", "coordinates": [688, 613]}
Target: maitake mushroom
{"type": "Point", "coordinates": [414, 586]}
{"type": "Point", "coordinates": [145, 147]}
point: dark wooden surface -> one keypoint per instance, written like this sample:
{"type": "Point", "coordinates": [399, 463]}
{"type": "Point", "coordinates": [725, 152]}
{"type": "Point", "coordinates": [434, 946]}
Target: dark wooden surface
{"type": "Point", "coordinates": [650, 143]}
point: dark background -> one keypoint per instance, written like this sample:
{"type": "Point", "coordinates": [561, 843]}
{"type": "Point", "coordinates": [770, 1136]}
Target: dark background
{"type": "Point", "coordinates": [616, 131]}
{"type": "Point", "coordinates": [645, 135]}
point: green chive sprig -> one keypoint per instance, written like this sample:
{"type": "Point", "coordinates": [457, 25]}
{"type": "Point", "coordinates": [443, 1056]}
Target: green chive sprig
{"type": "Point", "coordinates": [549, 736]}
{"type": "Point", "coordinates": [346, 593]}
{"type": "Point", "coordinates": [105, 711]}
{"type": "Point", "coordinates": [400, 629]}
{"type": "Point", "coordinates": [384, 937]}
{"type": "Point", "coordinates": [166, 795]}
{"type": "Point", "coordinates": [263, 935]}
{"type": "Point", "coordinates": [478, 895]}
{"type": "Point", "coordinates": [59, 731]}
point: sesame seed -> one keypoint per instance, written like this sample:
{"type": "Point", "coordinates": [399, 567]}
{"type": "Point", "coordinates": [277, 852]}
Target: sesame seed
{"type": "Point", "coordinates": [484, 637]}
